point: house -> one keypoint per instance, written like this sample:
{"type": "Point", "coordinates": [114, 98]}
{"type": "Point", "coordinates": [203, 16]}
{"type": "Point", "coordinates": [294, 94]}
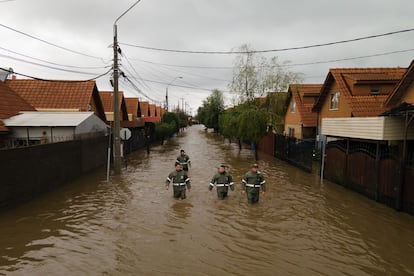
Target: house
{"type": "Point", "coordinates": [10, 104]}
{"type": "Point", "coordinates": [300, 119]}
{"type": "Point", "coordinates": [404, 91]}
{"type": "Point", "coordinates": [144, 106]}
{"type": "Point", "coordinates": [372, 150]}
{"type": "Point", "coordinates": [133, 108]}
{"type": "Point", "coordinates": [59, 95]}
{"type": "Point", "coordinates": [356, 92]}
{"type": "Point", "coordinates": [134, 114]}
{"type": "Point", "coordinates": [107, 98]}
{"type": "Point", "coordinates": [149, 113]}
{"type": "Point", "coordinates": [30, 128]}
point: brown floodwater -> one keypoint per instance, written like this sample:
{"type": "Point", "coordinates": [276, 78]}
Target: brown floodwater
{"type": "Point", "coordinates": [133, 226]}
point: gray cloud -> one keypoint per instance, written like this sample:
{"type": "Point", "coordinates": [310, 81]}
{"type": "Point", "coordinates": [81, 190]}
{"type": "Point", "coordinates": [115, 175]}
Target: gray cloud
{"type": "Point", "coordinates": [203, 25]}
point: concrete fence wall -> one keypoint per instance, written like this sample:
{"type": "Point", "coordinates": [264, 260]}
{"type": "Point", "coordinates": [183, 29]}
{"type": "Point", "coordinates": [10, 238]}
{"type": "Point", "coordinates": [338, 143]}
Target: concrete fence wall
{"type": "Point", "coordinates": [30, 171]}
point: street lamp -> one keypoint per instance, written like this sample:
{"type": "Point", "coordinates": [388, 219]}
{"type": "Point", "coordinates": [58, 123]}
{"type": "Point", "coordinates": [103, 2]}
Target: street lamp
{"type": "Point", "coordinates": [166, 91]}
{"type": "Point", "coordinates": [117, 126]}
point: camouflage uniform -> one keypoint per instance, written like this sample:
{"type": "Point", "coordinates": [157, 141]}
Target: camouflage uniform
{"type": "Point", "coordinates": [252, 182]}
{"type": "Point", "coordinates": [180, 182]}
{"type": "Point", "coordinates": [222, 181]}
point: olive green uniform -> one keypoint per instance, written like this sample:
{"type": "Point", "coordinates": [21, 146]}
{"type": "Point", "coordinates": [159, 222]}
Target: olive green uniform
{"type": "Point", "coordinates": [184, 161]}
{"type": "Point", "coordinates": [222, 181]}
{"type": "Point", "coordinates": [180, 182]}
{"type": "Point", "coordinates": [252, 182]}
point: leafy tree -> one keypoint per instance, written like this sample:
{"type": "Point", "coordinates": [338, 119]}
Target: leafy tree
{"type": "Point", "coordinates": [164, 130]}
{"type": "Point", "coordinates": [170, 117]}
{"type": "Point", "coordinates": [255, 76]}
{"type": "Point", "coordinates": [183, 119]}
{"type": "Point", "coordinates": [208, 114]}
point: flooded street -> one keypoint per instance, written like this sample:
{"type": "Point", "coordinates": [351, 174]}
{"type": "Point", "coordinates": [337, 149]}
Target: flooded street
{"type": "Point", "coordinates": [133, 226]}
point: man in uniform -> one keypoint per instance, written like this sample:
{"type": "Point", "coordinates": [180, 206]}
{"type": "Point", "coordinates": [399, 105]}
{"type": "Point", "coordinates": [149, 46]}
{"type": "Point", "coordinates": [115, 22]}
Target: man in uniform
{"type": "Point", "coordinates": [252, 182]}
{"type": "Point", "coordinates": [184, 160]}
{"type": "Point", "coordinates": [222, 180]}
{"type": "Point", "coordinates": [180, 182]}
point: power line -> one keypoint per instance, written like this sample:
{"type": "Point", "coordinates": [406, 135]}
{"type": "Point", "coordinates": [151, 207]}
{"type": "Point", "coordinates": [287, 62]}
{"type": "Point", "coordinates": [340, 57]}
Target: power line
{"type": "Point", "coordinates": [47, 66]}
{"type": "Point", "coordinates": [51, 43]}
{"type": "Point", "coordinates": [53, 63]}
{"type": "Point", "coordinates": [42, 79]}
{"type": "Point", "coordinates": [271, 50]}
{"type": "Point", "coordinates": [282, 65]}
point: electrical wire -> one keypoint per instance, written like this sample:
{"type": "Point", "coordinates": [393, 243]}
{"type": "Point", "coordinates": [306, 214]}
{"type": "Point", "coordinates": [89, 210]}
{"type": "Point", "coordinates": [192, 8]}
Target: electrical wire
{"type": "Point", "coordinates": [46, 66]}
{"type": "Point", "coordinates": [42, 79]}
{"type": "Point", "coordinates": [51, 43]}
{"type": "Point", "coordinates": [271, 50]}
{"type": "Point", "coordinates": [53, 63]}
{"type": "Point", "coordinates": [282, 65]}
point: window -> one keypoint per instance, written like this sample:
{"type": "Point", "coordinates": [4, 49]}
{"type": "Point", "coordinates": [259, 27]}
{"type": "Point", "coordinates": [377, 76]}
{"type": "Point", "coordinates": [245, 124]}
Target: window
{"type": "Point", "coordinates": [334, 101]}
{"type": "Point", "coordinates": [375, 90]}
{"type": "Point", "coordinates": [291, 132]}
{"type": "Point", "coordinates": [293, 107]}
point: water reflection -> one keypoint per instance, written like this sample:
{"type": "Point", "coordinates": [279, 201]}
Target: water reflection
{"type": "Point", "coordinates": [133, 226]}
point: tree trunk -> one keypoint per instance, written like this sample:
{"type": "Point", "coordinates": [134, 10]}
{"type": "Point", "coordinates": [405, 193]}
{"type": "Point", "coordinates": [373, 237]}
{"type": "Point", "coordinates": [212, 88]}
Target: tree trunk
{"type": "Point", "coordinates": [240, 145]}
{"type": "Point", "coordinates": [162, 141]}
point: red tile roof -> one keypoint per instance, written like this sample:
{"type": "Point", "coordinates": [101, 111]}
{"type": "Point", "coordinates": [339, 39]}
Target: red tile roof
{"type": "Point", "coordinates": [144, 109]}
{"type": "Point", "coordinates": [107, 98]}
{"type": "Point", "coordinates": [361, 106]}
{"type": "Point", "coordinates": [153, 110]}
{"type": "Point", "coordinates": [55, 94]}
{"type": "Point", "coordinates": [301, 91]}
{"type": "Point", "coordinates": [11, 103]}
{"type": "Point", "coordinates": [401, 87]}
{"type": "Point", "coordinates": [132, 105]}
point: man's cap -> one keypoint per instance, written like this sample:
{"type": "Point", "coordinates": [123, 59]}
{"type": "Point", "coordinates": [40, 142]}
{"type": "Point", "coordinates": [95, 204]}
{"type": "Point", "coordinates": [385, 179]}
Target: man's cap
{"type": "Point", "coordinates": [255, 166]}
{"type": "Point", "coordinates": [182, 150]}
{"type": "Point", "coordinates": [222, 166]}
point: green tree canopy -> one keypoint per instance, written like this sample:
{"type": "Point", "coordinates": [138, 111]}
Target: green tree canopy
{"type": "Point", "coordinates": [208, 114]}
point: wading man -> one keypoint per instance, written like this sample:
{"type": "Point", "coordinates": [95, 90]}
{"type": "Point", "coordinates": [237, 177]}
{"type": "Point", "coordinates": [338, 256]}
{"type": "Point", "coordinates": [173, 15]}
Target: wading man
{"type": "Point", "coordinates": [222, 180]}
{"type": "Point", "coordinates": [252, 182]}
{"type": "Point", "coordinates": [180, 181]}
{"type": "Point", "coordinates": [184, 160]}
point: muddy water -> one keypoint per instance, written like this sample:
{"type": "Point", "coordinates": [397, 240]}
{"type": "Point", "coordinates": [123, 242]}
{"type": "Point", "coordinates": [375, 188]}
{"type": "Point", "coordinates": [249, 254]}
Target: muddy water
{"type": "Point", "coordinates": [133, 226]}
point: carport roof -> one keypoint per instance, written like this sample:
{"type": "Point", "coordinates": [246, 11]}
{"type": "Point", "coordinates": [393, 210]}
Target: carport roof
{"type": "Point", "coordinates": [47, 119]}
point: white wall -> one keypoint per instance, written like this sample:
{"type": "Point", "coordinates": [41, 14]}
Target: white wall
{"type": "Point", "coordinates": [371, 128]}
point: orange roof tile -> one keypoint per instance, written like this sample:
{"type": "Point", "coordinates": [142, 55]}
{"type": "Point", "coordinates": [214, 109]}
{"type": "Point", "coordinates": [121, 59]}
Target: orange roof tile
{"type": "Point", "coordinates": [401, 87]}
{"type": "Point", "coordinates": [144, 109]}
{"type": "Point", "coordinates": [55, 94]}
{"type": "Point", "coordinates": [153, 110]}
{"type": "Point", "coordinates": [361, 106]}
{"type": "Point", "coordinates": [132, 105]}
{"type": "Point", "coordinates": [11, 103]}
{"type": "Point", "coordinates": [301, 91]}
{"type": "Point", "coordinates": [107, 98]}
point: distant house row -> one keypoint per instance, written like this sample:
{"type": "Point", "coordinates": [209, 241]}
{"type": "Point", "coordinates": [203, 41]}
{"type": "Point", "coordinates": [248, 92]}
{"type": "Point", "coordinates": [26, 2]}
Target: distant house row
{"type": "Point", "coordinates": [33, 111]}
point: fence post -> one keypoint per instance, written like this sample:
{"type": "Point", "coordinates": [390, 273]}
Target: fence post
{"type": "Point", "coordinates": [377, 171]}
{"type": "Point", "coordinates": [346, 182]}
{"type": "Point", "coordinates": [323, 157]}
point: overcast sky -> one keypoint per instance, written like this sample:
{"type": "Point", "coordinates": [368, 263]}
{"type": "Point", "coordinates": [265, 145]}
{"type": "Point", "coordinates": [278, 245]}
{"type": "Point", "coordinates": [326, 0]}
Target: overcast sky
{"type": "Point", "coordinates": [201, 25]}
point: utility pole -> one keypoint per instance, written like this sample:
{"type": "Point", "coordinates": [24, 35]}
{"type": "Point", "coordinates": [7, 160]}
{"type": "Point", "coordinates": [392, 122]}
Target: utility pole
{"type": "Point", "coordinates": [166, 90]}
{"type": "Point", "coordinates": [117, 124]}
{"type": "Point", "coordinates": [182, 104]}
